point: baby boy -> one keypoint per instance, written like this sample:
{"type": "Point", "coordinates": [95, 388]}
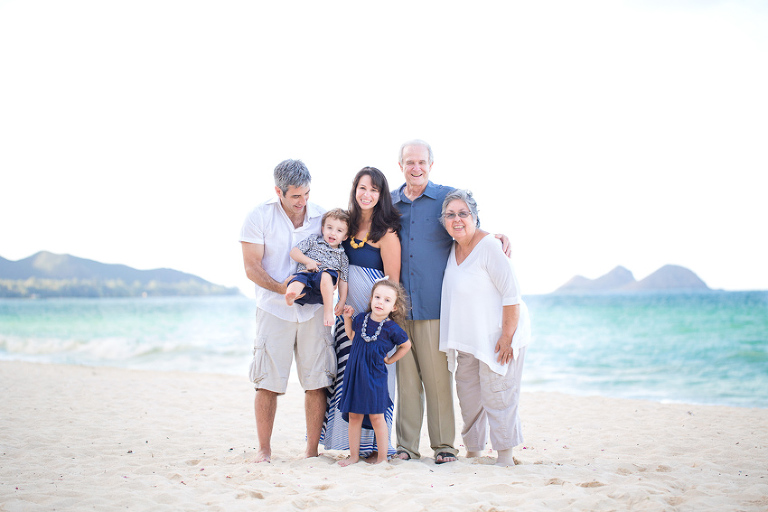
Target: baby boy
{"type": "Point", "coordinates": [322, 263]}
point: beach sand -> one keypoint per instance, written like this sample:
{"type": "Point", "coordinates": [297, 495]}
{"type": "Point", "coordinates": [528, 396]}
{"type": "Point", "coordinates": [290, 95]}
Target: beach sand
{"type": "Point", "coordinates": [95, 438]}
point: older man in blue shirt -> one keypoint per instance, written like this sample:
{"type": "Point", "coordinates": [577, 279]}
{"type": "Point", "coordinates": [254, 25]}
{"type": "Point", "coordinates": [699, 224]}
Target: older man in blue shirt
{"type": "Point", "coordinates": [423, 372]}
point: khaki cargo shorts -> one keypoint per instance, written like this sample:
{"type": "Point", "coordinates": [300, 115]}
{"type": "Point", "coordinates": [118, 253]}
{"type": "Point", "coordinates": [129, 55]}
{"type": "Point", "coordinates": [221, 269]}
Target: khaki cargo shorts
{"type": "Point", "coordinates": [276, 343]}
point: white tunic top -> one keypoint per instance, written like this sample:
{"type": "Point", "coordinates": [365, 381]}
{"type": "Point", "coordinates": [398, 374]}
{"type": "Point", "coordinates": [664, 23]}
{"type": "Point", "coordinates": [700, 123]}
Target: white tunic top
{"type": "Point", "coordinates": [269, 225]}
{"type": "Point", "coordinates": [472, 300]}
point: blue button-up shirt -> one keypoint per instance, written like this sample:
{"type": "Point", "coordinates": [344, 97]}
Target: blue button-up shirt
{"type": "Point", "coordinates": [425, 248]}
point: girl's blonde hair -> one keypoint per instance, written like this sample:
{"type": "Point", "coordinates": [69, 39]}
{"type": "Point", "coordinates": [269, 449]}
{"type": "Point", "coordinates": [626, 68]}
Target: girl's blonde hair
{"type": "Point", "coordinates": [400, 312]}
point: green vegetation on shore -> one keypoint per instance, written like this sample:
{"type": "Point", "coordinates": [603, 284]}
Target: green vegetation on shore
{"type": "Point", "coordinates": [48, 275]}
{"type": "Point", "coordinates": [33, 287]}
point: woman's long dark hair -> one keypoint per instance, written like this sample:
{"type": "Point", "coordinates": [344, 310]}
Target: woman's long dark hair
{"type": "Point", "coordinates": [385, 216]}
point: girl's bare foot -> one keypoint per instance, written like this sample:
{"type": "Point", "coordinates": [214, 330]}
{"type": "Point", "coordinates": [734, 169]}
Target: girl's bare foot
{"type": "Point", "coordinates": [379, 460]}
{"type": "Point", "coordinates": [347, 462]}
{"type": "Point", "coordinates": [264, 456]}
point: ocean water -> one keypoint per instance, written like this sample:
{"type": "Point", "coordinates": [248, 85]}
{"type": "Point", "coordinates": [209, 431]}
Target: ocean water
{"type": "Point", "coordinates": [704, 348]}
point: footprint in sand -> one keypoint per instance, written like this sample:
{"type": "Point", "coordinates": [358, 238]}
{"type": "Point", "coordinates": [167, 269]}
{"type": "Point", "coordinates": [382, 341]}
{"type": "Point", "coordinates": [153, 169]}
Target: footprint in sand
{"type": "Point", "coordinates": [593, 483]}
{"type": "Point", "coordinates": [250, 494]}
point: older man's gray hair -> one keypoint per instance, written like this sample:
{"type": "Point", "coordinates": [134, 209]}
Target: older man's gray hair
{"type": "Point", "coordinates": [416, 142]}
{"type": "Point", "coordinates": [466, 196]}
{"type": "Point", "coordinates": [291, 173]}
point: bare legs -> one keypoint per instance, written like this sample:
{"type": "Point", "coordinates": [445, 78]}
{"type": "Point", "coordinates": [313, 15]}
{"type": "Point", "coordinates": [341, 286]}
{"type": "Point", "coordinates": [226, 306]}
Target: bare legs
{"type": "Point", "coordinates": [295, 290]}
{"type": "Point", "coordinates": [314, 409]}
{"type": "Point", "coordinates": [379, 428]}
{"type": "Point", "coordinates": [265, 407]}
{"type": "Point", "coordinates": [382, 435]}
{"type": "Point", "coordinates": [326, 290]}
{"type": "Point", "coordinates": [355, 425]}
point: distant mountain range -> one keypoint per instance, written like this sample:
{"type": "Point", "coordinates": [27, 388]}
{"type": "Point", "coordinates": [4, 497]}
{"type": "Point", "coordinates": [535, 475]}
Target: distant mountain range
{"type": "Point", "coordinates": [668, 277]}
{"type": "Point", "coordinates": [61, 275]}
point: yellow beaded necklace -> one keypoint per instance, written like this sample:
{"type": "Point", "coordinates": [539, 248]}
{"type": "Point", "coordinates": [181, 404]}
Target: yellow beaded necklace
{"type": "Point", "coordinates": [362, 243]}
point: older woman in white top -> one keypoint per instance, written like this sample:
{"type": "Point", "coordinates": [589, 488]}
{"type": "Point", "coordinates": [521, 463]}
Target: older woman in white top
{"type": "Point", "coordinates": [484, 329]}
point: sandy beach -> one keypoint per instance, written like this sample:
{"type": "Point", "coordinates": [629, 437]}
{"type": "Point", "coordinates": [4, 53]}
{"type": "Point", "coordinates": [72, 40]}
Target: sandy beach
{"type": "Point", "coordinates": [95, 438]}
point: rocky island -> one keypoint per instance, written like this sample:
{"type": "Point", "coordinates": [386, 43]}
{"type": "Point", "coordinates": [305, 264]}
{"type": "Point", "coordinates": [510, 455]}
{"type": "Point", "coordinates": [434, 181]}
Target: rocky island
{"type": "Point", "coordinates": [667, 278]}
{"type": "Point", "coordinates": [48, 275]}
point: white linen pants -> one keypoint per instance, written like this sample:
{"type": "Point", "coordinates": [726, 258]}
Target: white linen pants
{"type": "Point", "coordinates": [488, 399]}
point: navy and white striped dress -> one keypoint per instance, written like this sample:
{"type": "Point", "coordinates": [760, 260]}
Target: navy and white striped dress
{"type": "Point", "coordinates": [365, 267]}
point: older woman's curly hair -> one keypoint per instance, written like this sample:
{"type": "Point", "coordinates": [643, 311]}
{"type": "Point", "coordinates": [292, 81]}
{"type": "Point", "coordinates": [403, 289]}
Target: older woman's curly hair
{"type": "Point", "coordinates": [469, 200]}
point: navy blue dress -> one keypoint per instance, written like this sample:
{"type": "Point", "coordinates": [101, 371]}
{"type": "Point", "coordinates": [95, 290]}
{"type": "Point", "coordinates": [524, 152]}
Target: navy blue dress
{"type": "Point", "coordinates": [365, 378]}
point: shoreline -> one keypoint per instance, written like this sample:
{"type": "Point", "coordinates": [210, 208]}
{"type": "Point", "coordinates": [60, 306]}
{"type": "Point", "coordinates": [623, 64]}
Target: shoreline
{"type": "Point", "coordinates": [110, 438]}
{"type": "Point", "coordinates": [294, 380]}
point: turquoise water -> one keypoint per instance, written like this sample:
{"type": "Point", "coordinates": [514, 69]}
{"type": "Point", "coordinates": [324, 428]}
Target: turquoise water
{"type": "Point", "coordinates": [708, 348]}
{"type": "Point", "coordinates": [188, 334]}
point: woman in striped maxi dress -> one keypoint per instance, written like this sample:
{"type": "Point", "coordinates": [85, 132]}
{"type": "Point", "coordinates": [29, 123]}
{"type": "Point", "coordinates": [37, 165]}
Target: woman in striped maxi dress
{"type": "Point", "coordinates": [373, 249]}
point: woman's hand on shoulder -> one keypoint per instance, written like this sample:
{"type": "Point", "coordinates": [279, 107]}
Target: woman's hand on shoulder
{"type": "Point", "coordinates": [505, 245]}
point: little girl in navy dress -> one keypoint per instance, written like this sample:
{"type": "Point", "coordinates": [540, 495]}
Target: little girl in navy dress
{"type": "Point", "coordinates": [365, 397]}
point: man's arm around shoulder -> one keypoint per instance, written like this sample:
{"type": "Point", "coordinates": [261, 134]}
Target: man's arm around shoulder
{"type": "Point", "coordinates": [252, 256]}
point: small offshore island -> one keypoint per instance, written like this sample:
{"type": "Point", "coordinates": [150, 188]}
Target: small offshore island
{"type": "Point", "coordinates": [48, 275]}
{"type": "Point", "coordinates": [667, 278]}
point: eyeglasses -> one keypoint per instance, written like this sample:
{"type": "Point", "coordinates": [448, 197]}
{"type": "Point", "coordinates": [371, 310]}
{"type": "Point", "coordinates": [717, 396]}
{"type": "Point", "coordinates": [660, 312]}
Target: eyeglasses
{"type": "Point", "coordinates": [451, 216]}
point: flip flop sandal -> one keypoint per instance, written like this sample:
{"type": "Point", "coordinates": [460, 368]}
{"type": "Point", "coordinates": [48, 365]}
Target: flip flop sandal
{"type": "Point", "coordinates": [401, 452]}
{"type": "Point", "coordinates": [443, 456]}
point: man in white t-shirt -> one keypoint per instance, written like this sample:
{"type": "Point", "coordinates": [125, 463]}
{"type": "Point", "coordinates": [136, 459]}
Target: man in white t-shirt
{"type": "Point", "coordinates": [268, 234]}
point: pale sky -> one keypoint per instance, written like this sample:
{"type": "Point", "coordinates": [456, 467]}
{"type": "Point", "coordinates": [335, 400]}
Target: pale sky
{"type": "Point", "coordinates": [593, 134]}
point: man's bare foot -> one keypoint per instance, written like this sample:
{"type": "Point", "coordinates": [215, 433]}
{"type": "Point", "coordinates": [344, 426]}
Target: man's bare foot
{"type": "Point", "coordinates": [264, 456]}
{"type": "Point", "coordinates": [471, 455]}
{"type": "Point", "coordinates": [347, 462]}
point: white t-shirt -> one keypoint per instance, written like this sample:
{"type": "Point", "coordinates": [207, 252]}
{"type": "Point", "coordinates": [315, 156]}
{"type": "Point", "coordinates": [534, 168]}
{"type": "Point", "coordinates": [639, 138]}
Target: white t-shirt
{"type": "Point", "coordinates": [269, 225]}
{"type": "Point", "coordinates": [474, 294]}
